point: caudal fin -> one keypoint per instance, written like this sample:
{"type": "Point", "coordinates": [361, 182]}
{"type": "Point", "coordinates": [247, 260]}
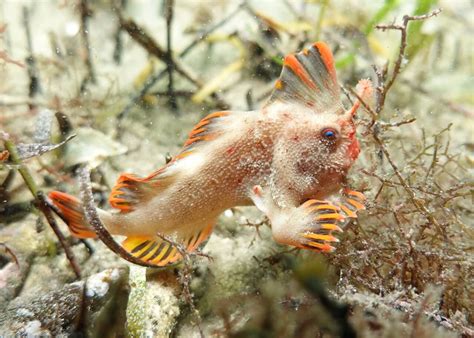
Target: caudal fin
{"type": "Point", "coordinates": [73, 213]}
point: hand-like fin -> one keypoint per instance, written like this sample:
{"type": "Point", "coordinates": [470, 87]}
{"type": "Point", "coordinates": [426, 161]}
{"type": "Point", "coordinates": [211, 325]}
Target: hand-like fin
{"type": "Point", "coordinates": [324, 217]}
{"type": "Point", "coordinates": [309, 78]}
{"type": "Point", "coordinates": [155, 250]}
{"type": "Point", "coordinates": [352, 202]}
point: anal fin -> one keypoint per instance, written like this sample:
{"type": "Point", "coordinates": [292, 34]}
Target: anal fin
{"type": "Point", "coordinates": [155, 250]}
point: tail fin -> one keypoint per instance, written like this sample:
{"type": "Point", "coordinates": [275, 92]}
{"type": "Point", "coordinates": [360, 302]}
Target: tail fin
{"type": "Point", "coordinates": [73, 213]}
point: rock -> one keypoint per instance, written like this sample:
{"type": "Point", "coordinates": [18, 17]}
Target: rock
{"type": "Point", "coordinates": [95, 307]}
{"type": "Point", "coordinates": [92, 147]}
{"type": "Point", "coordinates": [153, 308]}
{"type": "Point", "coordinates": [106, 298]}
{"type": "Point", "coordinates": [58, 312]}
{"type": "Point", "coordinates": [12, 278]}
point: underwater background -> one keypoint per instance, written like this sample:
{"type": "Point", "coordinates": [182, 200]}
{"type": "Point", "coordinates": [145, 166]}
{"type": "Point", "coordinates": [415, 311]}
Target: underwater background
{"type": "Point", "coordinates": [117, 85]}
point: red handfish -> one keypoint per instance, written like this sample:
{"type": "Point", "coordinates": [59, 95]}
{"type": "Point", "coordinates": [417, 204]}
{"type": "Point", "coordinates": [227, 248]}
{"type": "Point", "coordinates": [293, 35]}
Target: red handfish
{"type": "Point", "coordinates": [289, 158]}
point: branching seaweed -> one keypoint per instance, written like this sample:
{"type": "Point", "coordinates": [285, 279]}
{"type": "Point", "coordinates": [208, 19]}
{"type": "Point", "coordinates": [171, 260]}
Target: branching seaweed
{"type": "Point", "coordinates": [158, 76]}
{"type": "Point", "coordinates": [405, 264]}
{"type": "Point", "coordinates": [417, 229]}
{"type": "Point", "coordinates": [39, 199]}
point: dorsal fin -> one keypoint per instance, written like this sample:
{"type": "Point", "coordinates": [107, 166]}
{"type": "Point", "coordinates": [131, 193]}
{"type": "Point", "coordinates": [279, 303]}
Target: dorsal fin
{"type": "Point", "coordinates": [206, 130]}
{"type": "Point", "coordinates": [131, 190]}
{"type": "Point", "coordinates": [309, 78]}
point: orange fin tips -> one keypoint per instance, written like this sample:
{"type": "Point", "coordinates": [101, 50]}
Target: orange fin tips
{"type": "Point", "coordinates": [321, 237]}
{"type": "Point", "coordinates": [327, 58]}
{"type": "Point", "coordinates": [157, 251]}
{"type": "Point", "coordinates": [331, 227]}
{"type": "Point", "coordinates": [355, 194]}
{"type": "Point", "coordinates": [323, 218]}
{"type": "Point", "coordinates": [320, 247]}
{"type": "Point", "coordinates": [321, 210]}
{"type": "Point", "coordinates": [292, 62]}
{"type": "Point", "coordinates": [73, 214]}
{"type": "Point", "coordinates": [206, 130]}
{"type": "Point", "coordinates": [129, 191]}
{"type": "Point", "coordinates": [352, 202]}
{"type": "Point", "coordinates": [309, 79]}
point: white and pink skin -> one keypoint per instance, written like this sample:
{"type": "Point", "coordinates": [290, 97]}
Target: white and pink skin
{"type": "Point", "coordinates": [276, 158]}
{"type": "Point", "coordinates": [289, 158]}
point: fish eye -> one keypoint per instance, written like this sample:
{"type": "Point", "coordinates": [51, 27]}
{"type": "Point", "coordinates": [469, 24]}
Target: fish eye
{"type": "Point", "coordinates": [329, 134]}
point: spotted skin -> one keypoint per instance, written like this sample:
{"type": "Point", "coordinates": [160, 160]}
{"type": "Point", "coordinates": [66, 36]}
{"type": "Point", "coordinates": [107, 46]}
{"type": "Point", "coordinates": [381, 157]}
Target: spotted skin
{"type": "Point", "coordinates": [290, 159]}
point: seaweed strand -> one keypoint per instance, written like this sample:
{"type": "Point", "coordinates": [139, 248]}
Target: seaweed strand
{"type": "Point", "coordinates": [158, 76]}
{"type": "Point", "coordinates": [40, 201]}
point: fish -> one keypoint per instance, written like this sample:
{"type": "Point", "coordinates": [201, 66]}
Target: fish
{"type": "Point", "coordinates": [290, 159]}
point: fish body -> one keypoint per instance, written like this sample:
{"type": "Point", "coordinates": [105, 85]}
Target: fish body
{"type": "Point", "coordinates": [289, 158]}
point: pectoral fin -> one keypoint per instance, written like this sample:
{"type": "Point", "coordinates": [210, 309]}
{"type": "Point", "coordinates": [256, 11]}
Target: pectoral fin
{"type": "Point", "coordinates": [352, 202]}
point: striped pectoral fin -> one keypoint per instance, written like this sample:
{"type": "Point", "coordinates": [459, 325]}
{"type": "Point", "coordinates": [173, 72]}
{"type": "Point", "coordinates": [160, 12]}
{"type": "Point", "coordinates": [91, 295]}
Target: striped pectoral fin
{"type": "Point", "coordinates": [322, 220]}
{"type": "Point", "coordinates": [352, 202]}
{"type": "Point", "coordinates": [309, 78]}
{"type": "Point", "coordinates": [160, 252]}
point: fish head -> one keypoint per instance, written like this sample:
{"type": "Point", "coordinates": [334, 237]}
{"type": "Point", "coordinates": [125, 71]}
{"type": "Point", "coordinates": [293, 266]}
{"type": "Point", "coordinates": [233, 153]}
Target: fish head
{"type": "Point", "coordinates": [328, 142]}
{"type": "Point", "coordinates": [336, 131]}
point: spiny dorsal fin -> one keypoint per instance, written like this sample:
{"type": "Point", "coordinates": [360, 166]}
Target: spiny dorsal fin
{"type": "Point", "coordinates": [206, 130]}
{"type": "Point", "coordinates": [131, 190]}
{"type": "Point", "coordinates": [152, 249]}
{"type": "Point", "coordinates": [309, 78]}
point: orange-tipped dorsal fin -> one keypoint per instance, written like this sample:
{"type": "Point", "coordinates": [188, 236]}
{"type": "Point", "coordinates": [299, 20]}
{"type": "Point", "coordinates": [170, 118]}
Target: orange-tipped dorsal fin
{"type": "Point", "coordinates": [309, 78]}
{"type": "Point", "coordinates": [130, 190]}
{"type": "Point", "coordinates": [209, 128]}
